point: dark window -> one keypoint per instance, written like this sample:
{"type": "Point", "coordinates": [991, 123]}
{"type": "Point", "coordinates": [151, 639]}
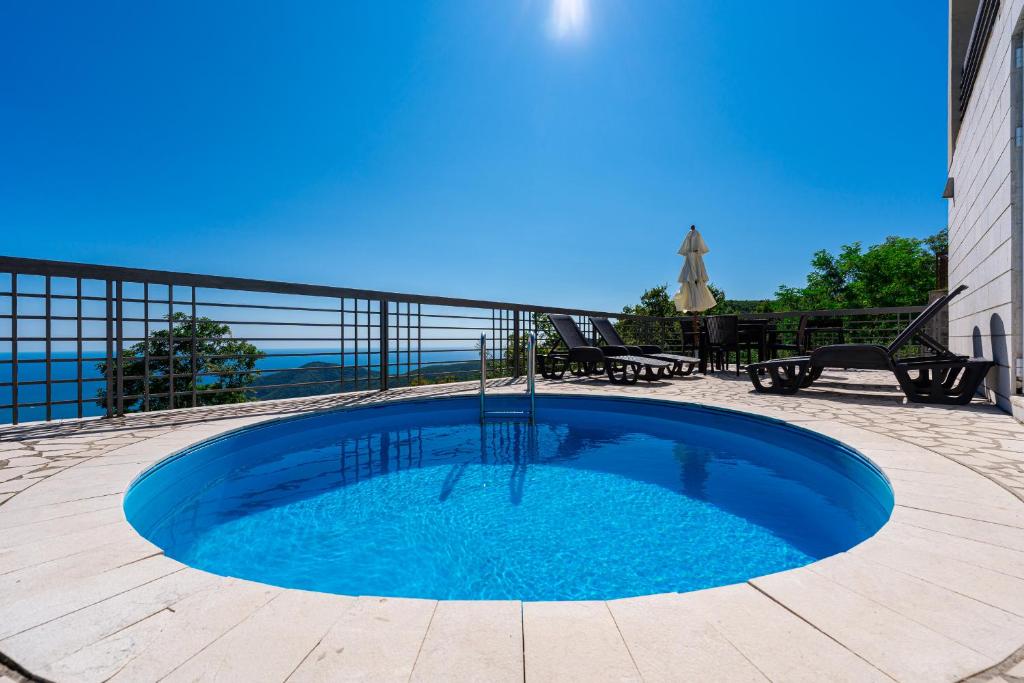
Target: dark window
{"type": "Point", "coordinates": [984, 20]}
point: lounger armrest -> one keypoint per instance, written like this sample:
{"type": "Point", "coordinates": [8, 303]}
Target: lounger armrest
{"type": "Point", "coordinates": [911, 360]}
{"type": "Point", "coordinates": [649, 348]}
{"type": "Point", "coordinates": [615, 350]}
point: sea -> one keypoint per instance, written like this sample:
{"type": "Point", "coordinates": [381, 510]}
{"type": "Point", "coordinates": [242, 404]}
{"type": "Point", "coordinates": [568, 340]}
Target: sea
{"type": "Point", "coordinates": [64, 367]}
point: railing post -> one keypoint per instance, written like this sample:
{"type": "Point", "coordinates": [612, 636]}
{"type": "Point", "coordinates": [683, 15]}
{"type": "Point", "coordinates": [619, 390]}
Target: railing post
{"type": "Point", "coordinates": [170, 345]}
{"type": "Point", "coordinates": [14, 348]}
{"type": "Point", "coordinates": [515, 343]}
{"type": "Point", "coordinates": [48, 308]}
{"type": "Point", "coordinates": [483, 375]}
{"type": "Point", "coordinates": [120, 347]}
{"type": "Point", "coordinates": [384, 344]}
{"type": "Point", "coordinates": [341, 344]}
{"type": "Point", "coordinates": [78, 344]}
{"type": "Point", "coordinates": [145, 353]}
{"type": "Point", "coordinates": [109, 374]}
{"type": "Point", "coordinates": [194, 370]}
{"type": "Point", "coordinates": [531, 374]}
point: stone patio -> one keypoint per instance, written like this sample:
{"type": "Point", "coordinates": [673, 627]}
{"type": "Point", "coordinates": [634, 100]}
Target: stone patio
{"type": "Point", "coordinates": [937, 594]}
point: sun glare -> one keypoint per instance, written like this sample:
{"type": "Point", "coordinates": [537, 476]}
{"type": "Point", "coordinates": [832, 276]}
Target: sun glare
{"type": "Point", "coordinates": [568, 19]}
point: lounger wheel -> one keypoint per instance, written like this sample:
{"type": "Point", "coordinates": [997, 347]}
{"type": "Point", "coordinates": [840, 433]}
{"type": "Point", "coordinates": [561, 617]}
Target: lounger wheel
{"type": "Point", "coordinates": [782, 378]}
{"type": "Point", "coordinates": [651, 373]}
{"type": "Point", "coordinates": [812, 375]}
{"type": "Point", "coordinates": [950, 383]}
{"type": "Point", "coordinates": [620, 372]}
{"type": "Point", "coordinates": [677, 369]}
{"type": "Point", "coordinates": [552, 368]}
{"type": "Point", "coordinates": [583, 369]}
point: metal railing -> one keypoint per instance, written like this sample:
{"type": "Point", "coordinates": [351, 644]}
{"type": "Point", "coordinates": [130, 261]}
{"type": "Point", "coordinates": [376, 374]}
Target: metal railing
{"type": "Point", "coordinates": [81, 340]}
{"type": "Point", "coordinates": [826, 326]}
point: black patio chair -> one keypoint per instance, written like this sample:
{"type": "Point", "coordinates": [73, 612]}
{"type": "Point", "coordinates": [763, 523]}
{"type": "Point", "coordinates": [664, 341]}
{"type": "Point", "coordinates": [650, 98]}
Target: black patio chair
{"type": "Point", "coordinates": [799, 345]}
{"type": "Point", "coordinates": [944, 377]}
{"type": "Point", "coordinates": [753, 336]}
{"type": "Point", "coordinates": [680, 365]}
{"type": "Point", "coordinates": [584, 360]}
{"type": "Point", "coordinates": [723, 339]}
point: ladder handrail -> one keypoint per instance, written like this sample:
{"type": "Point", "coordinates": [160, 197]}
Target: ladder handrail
{"type": "Point", "coordinates": [531, 378]}
{"type": "Point", "coordinates": [531, 372]}
{"type": "Point", "coordinates": [483, 373]}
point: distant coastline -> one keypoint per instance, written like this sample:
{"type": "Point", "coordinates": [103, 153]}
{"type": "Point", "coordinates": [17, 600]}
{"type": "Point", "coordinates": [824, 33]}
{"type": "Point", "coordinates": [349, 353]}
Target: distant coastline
{"type": "Point", "coordinates": [318, 372]}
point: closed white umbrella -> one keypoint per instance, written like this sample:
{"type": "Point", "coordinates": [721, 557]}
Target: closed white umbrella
{"type": "Point", "coordinates": [693, 294]}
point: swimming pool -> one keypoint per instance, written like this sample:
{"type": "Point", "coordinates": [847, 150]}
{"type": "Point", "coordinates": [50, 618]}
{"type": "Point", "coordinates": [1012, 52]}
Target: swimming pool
{"type": "Point", "coordinates": [603, 498]}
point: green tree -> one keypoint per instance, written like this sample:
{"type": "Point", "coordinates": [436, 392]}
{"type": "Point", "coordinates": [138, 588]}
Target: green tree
{"type": "Point", "coordinates": [898, 272]}
{"type": "Point", "coordinates": [654, 302]}
{"type": "Point", "coordinates": [657, 302]}
{"type": "Point", "coordinates": [224, 366]}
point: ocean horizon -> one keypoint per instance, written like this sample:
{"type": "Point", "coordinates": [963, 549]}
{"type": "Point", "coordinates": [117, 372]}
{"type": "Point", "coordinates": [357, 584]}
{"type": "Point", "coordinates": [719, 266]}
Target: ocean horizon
{"type": "Point", "coordinates": [64, 368]}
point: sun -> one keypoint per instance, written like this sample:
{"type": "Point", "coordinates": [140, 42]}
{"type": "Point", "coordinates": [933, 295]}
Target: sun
{"type": "Point", "coordinates": [568, 19]}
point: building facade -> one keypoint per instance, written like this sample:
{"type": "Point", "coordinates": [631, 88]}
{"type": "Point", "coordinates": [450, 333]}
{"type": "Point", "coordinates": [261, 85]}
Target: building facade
{"type": "Point", "coordinates": [984, 188]}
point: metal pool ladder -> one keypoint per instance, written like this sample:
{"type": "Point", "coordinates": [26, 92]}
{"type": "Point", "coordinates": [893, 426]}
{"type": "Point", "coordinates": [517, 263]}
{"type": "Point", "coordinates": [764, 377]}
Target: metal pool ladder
{"type": "Point", "coordinates": [531, 383]}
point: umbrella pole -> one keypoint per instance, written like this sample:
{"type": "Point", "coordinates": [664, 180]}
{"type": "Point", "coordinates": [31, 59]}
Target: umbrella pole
{"type": "Point", "coordinates": [697, 343]}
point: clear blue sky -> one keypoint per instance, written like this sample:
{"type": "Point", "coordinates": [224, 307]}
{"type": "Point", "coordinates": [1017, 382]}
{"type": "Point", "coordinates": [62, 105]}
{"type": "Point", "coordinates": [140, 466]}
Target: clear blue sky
{"type": "Point", "coordinates": [506, 150]}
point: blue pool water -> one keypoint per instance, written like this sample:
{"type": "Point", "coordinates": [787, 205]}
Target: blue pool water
{"type": "Point", "coordinates": [603, 498]}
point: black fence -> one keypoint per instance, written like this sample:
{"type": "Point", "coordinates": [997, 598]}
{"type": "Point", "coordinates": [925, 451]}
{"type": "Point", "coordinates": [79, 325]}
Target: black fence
{"type": "Point", "coordinates": [79, 340]}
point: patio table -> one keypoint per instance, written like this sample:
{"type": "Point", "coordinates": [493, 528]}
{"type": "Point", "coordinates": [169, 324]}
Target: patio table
{"type": "Point", "coordinates": [755, 333]}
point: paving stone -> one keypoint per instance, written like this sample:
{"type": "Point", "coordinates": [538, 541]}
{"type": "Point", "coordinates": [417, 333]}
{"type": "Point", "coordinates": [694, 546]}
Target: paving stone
{"type": "Point", "coordinates": [985, 532]}
{"type": "Point", "coordinates": [14, 518]}
{"type": "Point", "coordinates": [270, 643]}
{"type": "Point", "coordinates": [13, 537]}
{"type": "Point", "coordinates": [780, 644]}
{"type": "Point", "coordinates": [574, 641]}
{"type": "Point", "coordinates": [9, 472]}
{"type": "Point", "coordinates": [997, 558]}
{"type": "Point", "coordinates": [377, 639]}
{"type": "Point", "coordinates": [156, 647]}
{"type": "Point", "coordinates": [126, 617]}
{"type": "Point", "coordinates": [40, 607]}
{"type": "Point", "coordinates": [983, 628]}
{"type": "Point", "coordinates": [16, 486]}
{"type": "Point", "coordinates": [985, 585]}
{"type": "Point", "coordinates": [670, 637]}
{"type": "Point", "coordinates": [93, 556]}
{"type": "Point", "coordinates": [472, 640]}
{"type": "Point", "coordinates": [899, 646]}
{"type": "Point", "coordinates": [27, 461]}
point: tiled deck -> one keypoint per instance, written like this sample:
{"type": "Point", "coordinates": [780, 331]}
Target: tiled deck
{"type": "Point", "coordinates": [937, 594]}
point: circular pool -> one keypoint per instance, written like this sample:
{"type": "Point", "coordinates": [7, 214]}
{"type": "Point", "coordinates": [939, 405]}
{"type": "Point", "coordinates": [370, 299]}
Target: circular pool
{"type": "Point", "coordinates": [602, 498]}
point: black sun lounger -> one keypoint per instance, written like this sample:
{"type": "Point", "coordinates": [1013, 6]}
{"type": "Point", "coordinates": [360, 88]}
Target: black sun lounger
{"type": "Point", "coordinates": [681, 365]}
{"type": "Point", "coordinates": [943, 377]}
{"type": "Point", "coordinates": [584, 360]}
